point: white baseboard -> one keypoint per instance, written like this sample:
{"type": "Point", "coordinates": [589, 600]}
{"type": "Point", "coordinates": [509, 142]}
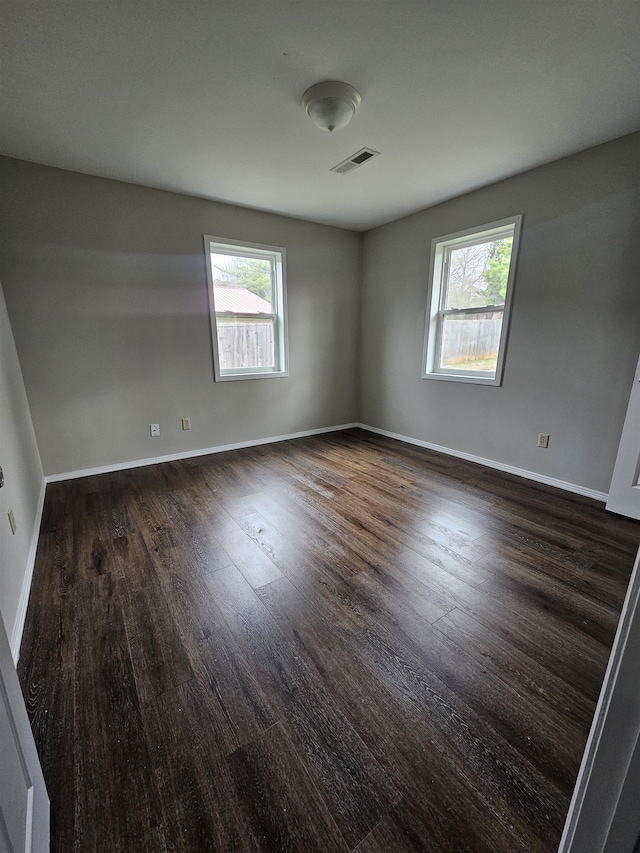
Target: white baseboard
{"type": "Point", "coordinates": [188, 454]}
{"type": "Point", "coordinates": [18, 625]}
{"type": "Point", "coordinates": [490, 463]}
{"type": "Point", "coordinates": [221, 448]}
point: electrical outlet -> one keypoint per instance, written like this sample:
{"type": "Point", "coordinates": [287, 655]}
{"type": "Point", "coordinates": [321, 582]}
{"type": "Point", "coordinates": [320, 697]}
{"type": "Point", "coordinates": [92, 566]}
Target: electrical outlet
{"type": "Point", "coordinates": [155, 429]}
{"type": "Point", "coordinates": [186, 423]}
{"type": "Point", "coordinates": [543, 440]}
{"type": "Point", "coordinates": [12, 521]}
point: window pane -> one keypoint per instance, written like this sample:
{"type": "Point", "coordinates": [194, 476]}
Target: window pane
{"type": "Point", "coordinates": [244, 342]}
{"type": "Point", "coordinates": [470, 342]}
{"type": "Point", "coordinates": [242, 285]}
{"type": "Point", "coordinates": [477, 274]}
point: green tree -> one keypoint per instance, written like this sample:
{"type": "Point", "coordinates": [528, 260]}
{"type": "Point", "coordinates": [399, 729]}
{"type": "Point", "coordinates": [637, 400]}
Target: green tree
{"type": "Point", "coordinates": [496, 270]}
{"type": "Point", "coordinates": [466, 276]}
{"type": "Point", "coordinates": [252, 273]}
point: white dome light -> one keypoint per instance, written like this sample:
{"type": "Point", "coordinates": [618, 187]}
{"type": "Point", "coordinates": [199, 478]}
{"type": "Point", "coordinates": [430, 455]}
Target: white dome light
{"type": "Point", "coordinates": [331, 105]}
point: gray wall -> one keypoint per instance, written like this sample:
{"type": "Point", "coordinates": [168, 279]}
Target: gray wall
{"type": "Point", "coordinates": [575, 330]}
{"type": "Point", "coordinates": [23, 479]}
{"type": "Point", "coordinates": [106, 289]}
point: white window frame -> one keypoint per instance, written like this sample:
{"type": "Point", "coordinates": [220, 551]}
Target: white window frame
{"type": "Point", "coordinates": [277, 256]}
{"type": "Point", "coordinates": [440, 250]}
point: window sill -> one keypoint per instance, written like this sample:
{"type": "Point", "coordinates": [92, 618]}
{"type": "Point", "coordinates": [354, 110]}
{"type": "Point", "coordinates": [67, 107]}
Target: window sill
{"type": "Point", "coordinates": [463, 377]}
{"type": "Point", "coordinates": [232, 377]}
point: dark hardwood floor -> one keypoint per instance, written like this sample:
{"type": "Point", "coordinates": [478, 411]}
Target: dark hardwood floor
{"type": "Point", "coordinates": [339, 643]}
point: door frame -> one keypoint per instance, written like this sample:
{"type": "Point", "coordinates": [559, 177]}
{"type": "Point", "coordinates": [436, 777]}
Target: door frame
{"type": "Point", "coordinates": [599, 807]}
{"type": "Point", "coordinates": [624, 492]}
{"type": "Point", "coordinates": [11, 693]}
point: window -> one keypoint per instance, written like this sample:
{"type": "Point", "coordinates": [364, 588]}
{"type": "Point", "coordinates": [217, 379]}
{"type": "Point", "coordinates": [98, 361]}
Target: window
{"type": "Point", "coordinates": [470, 290]}
{"type": "Point", "coordinates": [248, 309]}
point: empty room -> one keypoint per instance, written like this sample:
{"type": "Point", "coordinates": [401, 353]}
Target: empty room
{"type": "Point", "coordinates": [319, 418]}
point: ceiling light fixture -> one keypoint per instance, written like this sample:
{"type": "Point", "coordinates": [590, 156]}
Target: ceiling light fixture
{"type": "Point", "coordinates": [331, 105]}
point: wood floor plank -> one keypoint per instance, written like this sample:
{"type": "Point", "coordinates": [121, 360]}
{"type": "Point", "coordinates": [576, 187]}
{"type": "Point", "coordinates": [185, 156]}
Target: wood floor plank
{"type": "Point", "coordinates": [527, 674]}
{"type": "Point", "coordinates": [595, 618]}
{"type": "Point", "coordinates": [533, 729]}
{"type": "Point", "coordinates": [317, 566]}
{"type": "Point", "coordinates": [412, 750]}
{"type": "Point", "coordinates": [494, 762]}
{"type": "Point", "coordinates": [372, 540]}
{"type": "Point", "coordinates": [159, 660]}
{"type": "Point", "coordinates": [112, 774]}
{"type": "Point", "coordinates": [254, 564]}
{"type": "Point", "coordinates": [404, 830]}
{"type": "Point", "coordinates": [212, 651]}
{"type": "Point", "coordinates": [282, 806]}
{"type": "Point", "coordinates": [579, 570]}
{"type": "Point", "coordinates": [200, 810]}
{"type": "Point", "coordinates": [406, 529]}
{"type": "Point", "coordinates": [48, 637]}
{"type": "Point", "coordinates": [340, 764]}
{"type": "Point", "coordinates": [340, 643]}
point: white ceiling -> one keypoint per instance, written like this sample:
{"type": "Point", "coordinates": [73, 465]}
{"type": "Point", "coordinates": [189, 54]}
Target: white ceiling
{"type": "Point", "coordinates": [204, 97]}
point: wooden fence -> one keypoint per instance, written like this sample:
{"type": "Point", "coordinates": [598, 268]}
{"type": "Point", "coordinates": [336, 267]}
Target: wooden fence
{"type": "Point", "coordinates": [249, 344]}
{"type": "Point", "coordinates": [471, 338]}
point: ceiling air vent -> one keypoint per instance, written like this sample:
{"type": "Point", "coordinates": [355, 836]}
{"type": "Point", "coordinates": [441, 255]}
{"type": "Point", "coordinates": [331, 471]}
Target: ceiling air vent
{"type": "Point", "coordinates": [354, 161]}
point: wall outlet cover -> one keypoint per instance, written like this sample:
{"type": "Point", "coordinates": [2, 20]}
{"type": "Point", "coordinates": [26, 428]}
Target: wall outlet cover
{"type": "Point", "coordinates": [186, 423]}
{"type": "Point", "coordinates": [154, 429]}
{"type": "Point", "coordinates": [12, 521]}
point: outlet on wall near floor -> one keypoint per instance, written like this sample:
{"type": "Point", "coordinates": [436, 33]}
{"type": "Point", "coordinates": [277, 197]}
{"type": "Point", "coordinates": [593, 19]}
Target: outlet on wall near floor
{"type": "Point", "coordinates": [12, 521]}
{"type": "Point", "coordinates": [543, 439]}
{"type": "Point", "coordinates": [186, 423]}
{"type": "Point", "coordinates": [154, 429]}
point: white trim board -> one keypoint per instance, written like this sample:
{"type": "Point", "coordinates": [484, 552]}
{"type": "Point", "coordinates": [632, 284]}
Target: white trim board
{"type": "Point", "coordinates": [188, 454]}
{"type": "Point", "coordinates": [490, 463]}
{"type": "Point", "coordinates": [18, 625]}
